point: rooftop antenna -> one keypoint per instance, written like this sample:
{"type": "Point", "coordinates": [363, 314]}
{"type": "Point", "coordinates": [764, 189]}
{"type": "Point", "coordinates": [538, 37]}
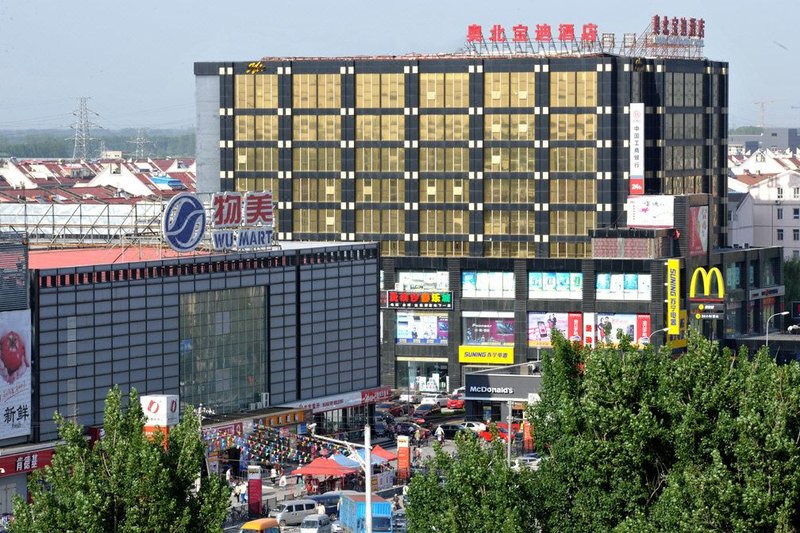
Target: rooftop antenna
{"type": "Point", "coordinates": [81, 127]}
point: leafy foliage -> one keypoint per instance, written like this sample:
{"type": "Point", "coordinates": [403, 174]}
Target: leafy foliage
{"type": "Point", "coordinates": [791, 277]}
{"type": "Point", "coordinates": [124, 482]}
{"type": "Point", "coordinates": [59, 144]}
{"type": "Point", "coordinates": [472, 490]}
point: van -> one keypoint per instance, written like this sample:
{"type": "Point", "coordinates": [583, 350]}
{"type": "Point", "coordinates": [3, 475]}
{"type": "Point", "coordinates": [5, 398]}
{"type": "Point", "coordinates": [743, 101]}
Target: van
{"type": "Point", "coordinates": [330, 500]}
{"type": "Point", "coordinates": [316, 523]}
{"type": "Point", "coordinates": [262, 525]}
{"type": "Point", "coordinates": [292, 512]}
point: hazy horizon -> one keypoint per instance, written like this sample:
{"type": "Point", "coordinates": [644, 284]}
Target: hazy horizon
{"type": "Point", "coordinates": [135, 61]}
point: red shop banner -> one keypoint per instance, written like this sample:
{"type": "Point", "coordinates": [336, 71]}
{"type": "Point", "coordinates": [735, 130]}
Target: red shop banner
{"type": "Point", "coordinates": [575, 326]}
{"type": "Point", "coordinates": [25, 462]}
{"type": "Point", "coordinates": [643, 329]}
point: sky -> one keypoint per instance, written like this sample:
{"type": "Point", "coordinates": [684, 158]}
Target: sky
{"type": "Point", "coordinates": [135, 59]}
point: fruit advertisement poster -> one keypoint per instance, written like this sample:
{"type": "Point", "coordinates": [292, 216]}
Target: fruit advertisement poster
{"type": "Point", "coordinates": [15, 371]}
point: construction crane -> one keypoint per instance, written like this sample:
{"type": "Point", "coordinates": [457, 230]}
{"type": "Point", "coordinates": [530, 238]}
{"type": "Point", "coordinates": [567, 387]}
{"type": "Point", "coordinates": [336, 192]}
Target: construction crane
{"type": "Point", "coordinates": [761, 105]}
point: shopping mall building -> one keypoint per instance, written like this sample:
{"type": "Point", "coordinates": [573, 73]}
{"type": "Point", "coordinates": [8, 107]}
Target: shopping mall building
{"type": "Point", "coordinates": [514, 188]}
{"type": "Point", "coordinates": [271, 339]}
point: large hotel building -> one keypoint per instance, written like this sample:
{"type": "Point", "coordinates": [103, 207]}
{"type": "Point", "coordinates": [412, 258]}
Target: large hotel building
{"type": "Point", "coordinates": [498, 187]}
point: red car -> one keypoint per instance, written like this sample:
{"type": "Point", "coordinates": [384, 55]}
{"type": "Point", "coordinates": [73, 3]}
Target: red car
{"type": "Point", "coordinates": [393, 409]}
{"type": "Point", "coordinates": [456, 401]}
{"type": "Point", "coordinates": [487, 435]}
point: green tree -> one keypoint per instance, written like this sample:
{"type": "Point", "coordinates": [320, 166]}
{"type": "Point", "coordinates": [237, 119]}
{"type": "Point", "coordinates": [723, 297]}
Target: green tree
{"type": "Point", "coordinates": [473, 490]}
{"type": "Point", "coordinates": [124, 482]}
{"type": "Point", "coordinates": [791, 278]}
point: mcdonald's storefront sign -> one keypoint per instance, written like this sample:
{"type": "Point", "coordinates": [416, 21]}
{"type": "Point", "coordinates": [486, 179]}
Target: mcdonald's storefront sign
{"type": "Point", "coordinates": [707, 306]}
{"type": "Point", "coordinates": [708, 276]}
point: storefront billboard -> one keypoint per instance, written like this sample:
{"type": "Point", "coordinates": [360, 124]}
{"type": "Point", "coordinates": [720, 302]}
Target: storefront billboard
{"type": "Point", "coordinates": [550, 285]}
{"type": "Point", "coordinates": [488, 330]}
{"type": "Point", "coordinates": [657, 212]}
{"type": "Point", "coordinates": [487, 284]}
{"type": "Point", "coordinates": [698, 230]}
{"type": "Point", "coordinates": [623, 287]}
{"type": "Point", "coordinates": [541, 324]}
{"type": "Point", "coordinates": [15, 370]}
{"type": "Point", "coordinates": [414, 327]}
{"type": "Point", "coordinates": [636, 327]}
{"type": "Point", "coordinates": [423, 281]}
{"type": "Point", "coordinates": [486, 355]}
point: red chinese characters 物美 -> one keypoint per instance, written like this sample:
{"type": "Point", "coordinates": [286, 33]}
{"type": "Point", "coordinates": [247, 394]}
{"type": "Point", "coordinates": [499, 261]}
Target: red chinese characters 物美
{"type": "Point", "coordinates": [474, 33]}
{"type": "Point", "coordinates": [566, 32]}
{"type": "Point", "coordinates": [227, 209]}
{"type": "Point", "coordinates": [520, 33]}
{"type": "Point", "coordinates": [258, 208]}
{"type": "Point", "coordinates": [498, 34]}
{"type": "Point", "coordinates": [589, 33]}
{"type": "Point", "coordinates": [543, 33]}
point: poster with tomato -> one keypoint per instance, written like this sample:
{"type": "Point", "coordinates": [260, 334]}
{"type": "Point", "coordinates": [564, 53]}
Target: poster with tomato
{"type": "Point", "coordinates": [15, 374]}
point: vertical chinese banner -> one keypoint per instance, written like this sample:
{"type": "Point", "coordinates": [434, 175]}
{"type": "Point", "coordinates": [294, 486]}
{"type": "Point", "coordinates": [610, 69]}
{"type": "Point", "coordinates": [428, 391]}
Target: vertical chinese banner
{"type": "Point", "coordinates": [403, 458]}
{"type": "Point", "coordinates": [254, 490]}
{"type": "Point", "coordinates": [673, 296]}
{"type": "Point", "coordinates": [575, 327]}
{"type": "Point", "coordinates": [643, 329]}
{"type": "Point", "coordinates": [15, 371]}
{"type": "Point", "coordinates": [636, 149]}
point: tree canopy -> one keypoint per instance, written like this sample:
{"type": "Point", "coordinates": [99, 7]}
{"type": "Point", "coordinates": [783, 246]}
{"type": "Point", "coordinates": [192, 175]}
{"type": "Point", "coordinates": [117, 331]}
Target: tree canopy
{"type": "Point", "coordinates": [124, 482]}
{"type": "Point", "coordinates": [635, 441]}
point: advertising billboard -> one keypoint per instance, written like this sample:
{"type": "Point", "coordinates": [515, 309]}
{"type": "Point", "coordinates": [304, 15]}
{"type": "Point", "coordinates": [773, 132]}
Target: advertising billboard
{"type": "Point", "coordinates": [623, 287]}
{"type": "Point", "coordinates": [555, 285]}
{"type": "Point", "coordinates": [673, 296]}
{"type": "Point", "coordinates": [541, 324]}
{"type": "Point", "coordinates": [657, 212]}
{"type": "Point", "coordinates": [698, 230]}
{"type": "Point", "coordinates": [493, 355]}
{"type": "Point", "coordinates": [481, 330]}
{"type": "Point", "coordinates": [636, 327]}
{"type": "Point", "coordinates": [414, 327]}
{"type": "Point", "coordinates": [15, 370]}
{"type": "Point", "coordinates": [423, 281]}
{"type": "Point", "coordinates": [636, 149]}
{"type": "Point", "coordinates": [487, 284]}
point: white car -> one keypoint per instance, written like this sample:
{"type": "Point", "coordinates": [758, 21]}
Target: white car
{"type": "Point", "coordinates": [409, 397]}
{"type": "Point", "coordinates": [440, 399]}
{"type": "Point", "coordinates": [477, 427]}
{"type": "Point", "coordinates": [529, 460]}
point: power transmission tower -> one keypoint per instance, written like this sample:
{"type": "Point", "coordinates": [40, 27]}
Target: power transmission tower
{"type": "Point", "coordinates": [81, 127]}
{"type": "Point", "coordinates": [141, 141]}
{"type": "Point", "coordinates": [761, 107]}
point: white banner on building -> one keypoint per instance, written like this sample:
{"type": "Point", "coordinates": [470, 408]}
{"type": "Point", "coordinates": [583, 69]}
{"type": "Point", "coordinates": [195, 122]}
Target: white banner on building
{"type": "Point", "coordinates": [15, 371]}
{"type": "Point", "coordinates": [656, 212]}
{"type": "Point", "coordinates": [636, 147]}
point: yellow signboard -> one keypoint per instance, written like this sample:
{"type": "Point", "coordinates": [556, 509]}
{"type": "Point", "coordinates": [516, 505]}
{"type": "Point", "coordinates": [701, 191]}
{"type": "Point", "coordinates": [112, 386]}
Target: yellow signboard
{"type": "Point", "coordinates": [492, 355]}
{"type": "Point", "coordinates": [673, 296]}
{"type": "Point", "coordinates": [679, 341]}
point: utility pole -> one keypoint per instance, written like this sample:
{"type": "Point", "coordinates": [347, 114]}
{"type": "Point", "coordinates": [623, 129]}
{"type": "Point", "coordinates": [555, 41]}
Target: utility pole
{"type": "Point", "coordinates": [82, 126]}
{"type": "Point", "coordinates": [510, 432]}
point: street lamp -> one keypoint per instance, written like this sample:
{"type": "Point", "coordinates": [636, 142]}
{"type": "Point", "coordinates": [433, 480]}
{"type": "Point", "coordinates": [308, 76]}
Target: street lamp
{"type": "Point", "coordinates": [766, 326]}
{"type": "Point", "coordinates": [662, 330]}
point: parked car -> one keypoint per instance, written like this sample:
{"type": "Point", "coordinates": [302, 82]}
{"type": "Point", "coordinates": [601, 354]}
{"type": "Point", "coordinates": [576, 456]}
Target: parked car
{"type": "Point", "coordinates": [456, 401]}
{"type": "Point", "coordinates": [502, 434]}
{"type": "Point", "coordinates": [438, 399]}
{"type": "Point", "coordinates": [381, 428]}
{"type": "Point", "coordinates": [424, 411]}
{"type": "Point", "coordinates": [529, 460]}
{"type": "Point", "coordinates": [394, 409]}
{"type": "Point", "coordinates": [410, 397]}
{"type": "Point", "coordinates": [292, 512]}
{"type": "Point", "coordinates": [477, 427]}
{"type": "Point", "coordinates": [410, 428]}
{"type": "Point", "coordinates": [337, 527]}
{"type": "Point", "coordinates": [400, 521]}
{"type": "Point", "coordinates": [316, 523]}
{"type": "Point", "coordinates": [451, 430]}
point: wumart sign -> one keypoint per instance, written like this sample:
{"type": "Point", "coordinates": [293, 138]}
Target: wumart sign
{"type": "Point", "coordinates": [236, 221]}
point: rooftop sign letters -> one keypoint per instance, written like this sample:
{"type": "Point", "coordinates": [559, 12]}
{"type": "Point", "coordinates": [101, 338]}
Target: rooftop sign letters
{"type": "Point", "coordinates": [237, 221]}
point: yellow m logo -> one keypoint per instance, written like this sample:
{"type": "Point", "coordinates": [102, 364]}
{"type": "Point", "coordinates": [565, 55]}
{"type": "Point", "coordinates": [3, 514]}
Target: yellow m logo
{"type": "Point", "coordinates": [706, 275]}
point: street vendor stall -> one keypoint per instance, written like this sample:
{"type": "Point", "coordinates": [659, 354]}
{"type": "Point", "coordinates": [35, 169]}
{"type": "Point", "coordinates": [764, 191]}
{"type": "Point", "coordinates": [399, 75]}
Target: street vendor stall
{"type": "Point", "coordinates": [323, 474]}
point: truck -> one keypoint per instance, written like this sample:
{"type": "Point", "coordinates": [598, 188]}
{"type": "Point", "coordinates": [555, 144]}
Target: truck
{"type": "Point", "coordinates": [352, 509]}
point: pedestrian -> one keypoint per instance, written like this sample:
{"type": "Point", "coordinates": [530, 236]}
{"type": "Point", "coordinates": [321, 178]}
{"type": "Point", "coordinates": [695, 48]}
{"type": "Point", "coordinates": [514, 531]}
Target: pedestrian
{"type": "Point", "coordinates": [229, 476]}
{"type": "Point", "coordinates": [242, 493]}
{"type": "Point", "coordinates": [418, 455]}
{"type": "Point", "coordinates": [273, 474]}
{"type": "Point", "coordinates": [320, 509]}
{"type": "Point", "coordinates": [417, 435]}
{"type": "Point", "coordinates": [282, 482]}
{"type": "Point", "coordinates": [440, 434]}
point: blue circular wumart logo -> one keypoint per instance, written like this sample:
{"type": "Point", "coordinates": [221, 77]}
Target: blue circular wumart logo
{"type": "Point", "coordinates": [184, 222]}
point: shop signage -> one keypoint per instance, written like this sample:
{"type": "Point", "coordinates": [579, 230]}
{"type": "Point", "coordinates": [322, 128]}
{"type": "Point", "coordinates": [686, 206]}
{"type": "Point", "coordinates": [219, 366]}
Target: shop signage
{"type": "Point", "coordinates": [160, 409]}
{"type": "Point", "coordinates": [419, 299]}
{"type": "Point", "coordinates": [495, 355]}
{"type": "Point", "coordinates": [15, 363]}
{"type": "Point", "coordinates": [636, 149]}
{"type": "Point", "coordinates": [235, 428]}
{"type": "Point", "coordinates": [689, 29]}
{"type": "Point", "coordinates": [25, 462]}
{"type": "Point", "coordinates": [237, 222]}
{"type": "Point", "coordinates": [376, 395]}
{"type": "Point", "coordinates": [757, 294]}
{"type": "Point", "coordinates": [403, 457]}
{"type": "Point", "coordinates": [679, 341]}
{"type": "Point", "coordinates": [707, 311]}
{"type": "Point", "coordinates": [673, 296]}
{"type": "Point", "coordinates": [341, 401]}
{"type": "Point", "coordinates": [706, 276]}
{"type": "Point", "coordinates": [656, 212]}
{"type": "Point", "coordinates": [481, 389]}
{"type": "Point", "coordinates": [543, 33]}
